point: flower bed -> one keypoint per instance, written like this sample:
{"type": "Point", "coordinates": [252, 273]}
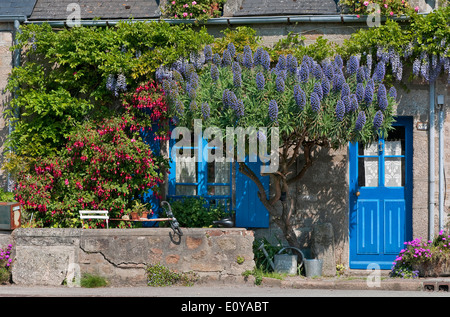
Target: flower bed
{"type": "Point", "coordinates": [424, 258]}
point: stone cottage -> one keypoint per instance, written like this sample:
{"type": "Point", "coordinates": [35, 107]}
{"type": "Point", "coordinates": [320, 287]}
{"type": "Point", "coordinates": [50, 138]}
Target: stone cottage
{"type": "Point", "coordinates": [354, 213]}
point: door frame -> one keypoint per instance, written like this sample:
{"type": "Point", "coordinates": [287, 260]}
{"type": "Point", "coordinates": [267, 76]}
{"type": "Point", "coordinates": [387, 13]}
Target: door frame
{"type": "Point", "coordinates": [407, 122]}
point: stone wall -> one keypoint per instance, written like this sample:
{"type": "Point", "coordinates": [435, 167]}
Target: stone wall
{"type": "Point", "coordinates": [47, 256]}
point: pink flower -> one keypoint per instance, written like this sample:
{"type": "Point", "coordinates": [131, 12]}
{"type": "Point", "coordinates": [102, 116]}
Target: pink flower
{"type": "Point", "coordinates": [185, 14]}
{"type": "Point", "coordinates": [357, 16]}
{"type": "Point", "coordinates": [366, 3]}
{"type": "Point", "coordinates": [173, 2]}
{"type": "Point", "coordinates": [66, 182]}
{"type": "Point", "coordinates": [194, 3]}
{"type": "Point", "coordinates": [416, 9]}
{"type": "Point", "coordinates": [185, 5]}
{"type": "Point", "coordinates": [385, 5]}
{"type": "Point", "coordinates": [391, 13]}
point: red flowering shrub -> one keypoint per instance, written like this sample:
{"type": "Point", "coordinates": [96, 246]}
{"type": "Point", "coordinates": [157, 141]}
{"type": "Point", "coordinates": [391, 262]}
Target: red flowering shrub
{"type": "Point", "coordinates": [104, 166]}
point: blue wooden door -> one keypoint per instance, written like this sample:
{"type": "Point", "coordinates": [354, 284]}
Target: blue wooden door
{"type": "Point", "coordinates": [381, 197]}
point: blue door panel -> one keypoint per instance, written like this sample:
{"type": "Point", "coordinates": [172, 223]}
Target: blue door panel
{"type": "Point", "coordinates": [368, 227]}
{"type": "Point", "coordinates": [394, 222]}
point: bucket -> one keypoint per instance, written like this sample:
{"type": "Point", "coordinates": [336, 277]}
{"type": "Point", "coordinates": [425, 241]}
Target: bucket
{"type": "Point", "coordinates": [313, 267]}
{"type": "Point", "coordinates": [285, 263]}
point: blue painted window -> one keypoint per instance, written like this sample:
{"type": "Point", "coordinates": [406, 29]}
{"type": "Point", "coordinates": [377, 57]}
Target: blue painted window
{"type": "Point", "coordinates": [217, 182]}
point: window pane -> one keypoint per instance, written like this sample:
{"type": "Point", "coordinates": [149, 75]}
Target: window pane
{"type": "Point", "coordinates": [218, 190]}
{"type": "Point", "coordinates": [219, 172]}
{"type": "Point", "coordinates": [186, 170]}
{"type": "Point", "coordinates": [368, 171]}
{"type": "Point", "coordinates": [186, 190]}
{"type": "Point", "coordinates": [394, 173]}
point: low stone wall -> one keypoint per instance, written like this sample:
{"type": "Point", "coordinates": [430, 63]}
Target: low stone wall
{"type": "Point", "coordinates": [49, 256]}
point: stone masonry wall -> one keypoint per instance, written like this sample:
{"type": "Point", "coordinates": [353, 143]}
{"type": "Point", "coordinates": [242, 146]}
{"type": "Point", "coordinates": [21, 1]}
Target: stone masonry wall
{"type": "Point", "coordinates": [47, 256]}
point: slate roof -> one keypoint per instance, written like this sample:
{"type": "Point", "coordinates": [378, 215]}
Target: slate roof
{"type": "Point", "coordinates": [16, 7]}
{"type": "Point", "coordinates": [103, 9]}
{"type": "Point", "coordinates": [146, 9]}
{"type": "Point", "coordinates": [287, 7]}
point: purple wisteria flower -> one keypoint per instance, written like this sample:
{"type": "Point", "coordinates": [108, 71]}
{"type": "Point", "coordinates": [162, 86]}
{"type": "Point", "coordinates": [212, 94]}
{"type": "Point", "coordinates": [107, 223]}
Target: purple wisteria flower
{"type": "Point", "coordinates": [315, 102]}
{"type": "Point", "coordinates": [281, 64]}
{"type": "Point", "coordinates": [340, 110]}
{"type": "Point", "coordinates": [317, 71]}
{"type": "Point", "coordinates": [380, 71]}
{"type": "Point", "coordinates": [378, 120]}
{"type": "Point", "coordinates": [207, 51]}
{"type": "Point", "coordinates": [260, 81]}
{"type": "Point", "coordinates": [292, 63]}
{"type": "Point", "coordinates": [273, 110]}
{"type": "Point", "coordinates": [206, 110]}
{"type": "Point", "coordinates": [231, 49]}
{"type": "Point", "coordinates": [360, 75]}
{"type": "Point", "coordinates": [217, 59]}
{"type": "Point", "coordinates": [318, 89]}
{"type": "Point", "coordinates": [382, 97]}
{"type": "Point", "coordinates": [265, 60]}
{"type": "Point", "coordinates": [214, 72]}
{"type": "Point", "coordinates": [303, 72]}
{"type": "Point", "coordinates": [360, 121]}
{"type": "Point", "coordinates": [300, 97]}
{"type": "Point", "coordinates": [328, 71]}
{"type": "Point", "coordinates": [239, 108]}
{"type": "Point", "coordinates": [280, 83]}
{"type": "Point", "coordinates": [257, 57]}
{"type": "Point", "coordinates": [353, 103]}
{"type": "Point", "coordinates": [247, 58]}
{"type": "Point", "coordinates": [360, 92]}
{"type": "Point", "coordinates": [338, 82]}
{"type": "Point", "coordinates": [346, 101]}
{"type": "Point", "coordinates": [368, 94]}
{"type": "Point", "coordinates": [352, 65]}
{"type": "Point", "coordinates": [345, 91]}
{"type": "Point", "coordinates": [226, 59]}
{"type": "Point", "coordinates": [393, 92]}
{"type": "Point", "coordinates": [326, 86]}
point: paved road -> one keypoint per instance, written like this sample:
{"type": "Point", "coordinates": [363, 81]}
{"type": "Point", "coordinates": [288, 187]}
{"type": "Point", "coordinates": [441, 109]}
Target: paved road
{"type": "Point", "coordinates": [203, 291]}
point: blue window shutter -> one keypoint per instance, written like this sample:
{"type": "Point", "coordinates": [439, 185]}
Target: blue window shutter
{"type": "Point", "coordinates": [250, 211]}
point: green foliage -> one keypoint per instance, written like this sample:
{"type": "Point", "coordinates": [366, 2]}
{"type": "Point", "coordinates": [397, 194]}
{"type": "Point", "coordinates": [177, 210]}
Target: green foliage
{"type": "Point", "coordinates": [422, 43]}
{"type": "Point", "coordinates": [387, 7]}
{"type": "Point", "coordinates": [200, 10]}
{"type": "Point", "coordinates": [65, 76]}
{"type": "Point", "coordinates": [159, 276]}
{"type": "Point", "coordinates": [261, 260]}
{"type": "Point", "coordinates": [92, 281]}
{"type": "Point", "coordinates": [6, 196]}
{"type": "Point", "coordinates": [320, 50]}
{"type": "Point", "coordinates": [241, 36]}
{"type": "Point", "coordinates": [195, 212]}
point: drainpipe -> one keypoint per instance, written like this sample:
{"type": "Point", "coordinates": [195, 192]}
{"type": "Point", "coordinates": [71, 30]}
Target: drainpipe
{"type": "Point", "coordinates": [440, 102]}
{"type": "Point", "coordinates": [431, 167]}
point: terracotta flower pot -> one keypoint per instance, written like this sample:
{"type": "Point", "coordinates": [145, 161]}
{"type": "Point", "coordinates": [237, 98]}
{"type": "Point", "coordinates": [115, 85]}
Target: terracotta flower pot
{"type": "Point", "coordinates": [134, 216]}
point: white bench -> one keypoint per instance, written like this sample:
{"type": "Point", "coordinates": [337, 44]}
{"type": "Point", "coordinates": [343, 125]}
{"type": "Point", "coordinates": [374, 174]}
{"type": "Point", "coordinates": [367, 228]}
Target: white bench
{"type": "Point", "coordinates": [94, 214]}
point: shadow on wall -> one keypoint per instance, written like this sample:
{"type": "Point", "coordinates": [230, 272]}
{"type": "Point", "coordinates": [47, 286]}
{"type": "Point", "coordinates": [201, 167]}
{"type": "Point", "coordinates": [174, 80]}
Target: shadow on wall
{"type": "Point", "coordinates": [322, 196]}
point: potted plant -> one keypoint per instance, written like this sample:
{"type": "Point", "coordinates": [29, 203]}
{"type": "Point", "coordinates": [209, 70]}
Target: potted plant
{"type": "Point", "coordinates": [140, 210]}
